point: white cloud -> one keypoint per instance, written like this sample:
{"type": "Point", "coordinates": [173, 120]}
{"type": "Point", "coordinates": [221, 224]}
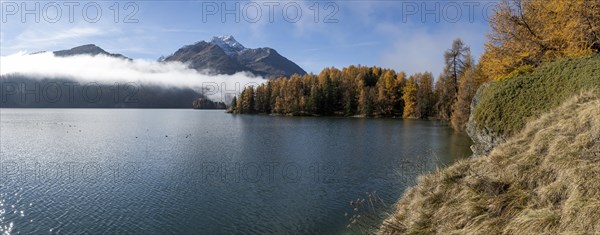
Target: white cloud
{"type": "Point", "coordinates": [310, 17]}
{"type": "Point", "coordinates": [48, 37]}
{"type": "Point", "coordinates": [77, 32]}
{"type": "Point", "coordinates": [42, 38]}
{"type": "Point", "coordinates": [414, 49]}
{"type": "Point", "coordinates": [108, 70]}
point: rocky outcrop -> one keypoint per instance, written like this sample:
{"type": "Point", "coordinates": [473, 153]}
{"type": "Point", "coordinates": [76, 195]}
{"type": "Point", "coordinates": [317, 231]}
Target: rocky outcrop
{"type": "Point", "coordinates": [484, 138]}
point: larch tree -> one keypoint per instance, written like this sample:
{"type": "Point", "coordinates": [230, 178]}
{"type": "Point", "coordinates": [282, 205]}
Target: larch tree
{"type": "Point", "coordinates": [233, 106]}
{"type": "Point", "coordinates": [248, 100]}
{"type": "Point", "coordinates": [386, 97]}
{"type": "Point", "coordinates": [399, 92]}
{"type": "Point", "coordinates": [527, 33]}
{"type": "Point", "coordinates": [425, 97]}
{"type": "Point", "coordinates": [365, 101]}
{"type": "Point", "coordinates": [467, 87]}
{"type": "Point", "coordinates": [239, 108]}
{"type": "Point", "coordinates": [447, 84]}
{"type": "Point", "coordinates": [446, 95]}
{"type": "Point", "coordinates": [410, 98]}
{"type": "Point", "coordinates": [455, 60]}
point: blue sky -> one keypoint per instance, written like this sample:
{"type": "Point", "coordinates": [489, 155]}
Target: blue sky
{"type": "Point", "coordinates": [403, 35]}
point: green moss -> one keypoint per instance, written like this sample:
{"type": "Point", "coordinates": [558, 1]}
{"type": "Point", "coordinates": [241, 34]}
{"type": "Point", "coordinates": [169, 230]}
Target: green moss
{"type": "Point", "coordinates": [506, 105]}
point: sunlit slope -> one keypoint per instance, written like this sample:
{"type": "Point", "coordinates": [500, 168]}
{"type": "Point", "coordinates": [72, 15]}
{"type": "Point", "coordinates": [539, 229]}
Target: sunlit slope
{"type": "Point", "coordinates": [507, 105]}
{"type": "Point", "coordinates": [543, 180]}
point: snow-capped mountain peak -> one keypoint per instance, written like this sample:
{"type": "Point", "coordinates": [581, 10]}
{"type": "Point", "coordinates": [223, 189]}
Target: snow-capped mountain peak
{"type": "Point", "coordinates": [225, 55]}
{"type": "Point", "coordinates": [228, 44]}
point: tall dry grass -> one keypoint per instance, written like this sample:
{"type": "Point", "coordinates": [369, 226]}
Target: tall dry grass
{"type": "Point", "coordinates": [544, 180]}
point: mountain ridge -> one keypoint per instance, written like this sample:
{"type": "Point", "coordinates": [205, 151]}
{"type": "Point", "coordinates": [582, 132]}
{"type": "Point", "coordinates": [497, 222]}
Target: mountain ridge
{"type": "Point", "coordinates": [225, 55]}
{"type": "Point", "coordinates": [220, 55]}
{"type": "Point", "coordinates": [87, 49]}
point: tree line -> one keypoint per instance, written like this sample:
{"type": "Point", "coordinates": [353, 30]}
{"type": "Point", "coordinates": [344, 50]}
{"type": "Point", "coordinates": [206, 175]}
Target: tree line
{"type": "Point", "coordinates": [370, 91]}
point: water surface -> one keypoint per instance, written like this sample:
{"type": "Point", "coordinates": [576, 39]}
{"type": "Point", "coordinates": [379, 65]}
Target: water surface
{"type": "Point", "coordinates": [136, 171]}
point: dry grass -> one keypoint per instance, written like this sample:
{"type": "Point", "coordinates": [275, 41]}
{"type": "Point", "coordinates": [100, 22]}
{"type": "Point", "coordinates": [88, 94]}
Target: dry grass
{"type": "Point", "coordinates": [544, 180]}
{"type": "Point", "coordinates": [366, 213]}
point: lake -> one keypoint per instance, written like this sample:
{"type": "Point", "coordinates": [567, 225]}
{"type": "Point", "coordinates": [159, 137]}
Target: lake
{"type": "Point", "coordinates": [162, 171]}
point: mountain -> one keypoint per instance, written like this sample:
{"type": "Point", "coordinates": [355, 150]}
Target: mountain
{"type": "Point", "coordinates": [63, 94]}
{"type": "Point", "coordinates": [229, 45]}
{"type": "Point", "coordinates": [89, 49]}
{"type": "Point", "coordinates": [203, 56]}
{"type": "Point", "coordinates": [225, 55]}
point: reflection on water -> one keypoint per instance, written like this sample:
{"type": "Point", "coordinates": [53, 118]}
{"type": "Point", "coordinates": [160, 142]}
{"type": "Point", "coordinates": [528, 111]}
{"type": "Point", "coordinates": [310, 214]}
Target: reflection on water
{"type": "Point", "coordinates": [186, 171]}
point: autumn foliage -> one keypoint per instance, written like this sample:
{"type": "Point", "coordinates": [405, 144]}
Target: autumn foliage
{"type": "Point", "coordinates": [355, 90]}
{"type": "Point", "coordinates": [371, 91]}
{"type": "Point", "coordinates": [528, 33]}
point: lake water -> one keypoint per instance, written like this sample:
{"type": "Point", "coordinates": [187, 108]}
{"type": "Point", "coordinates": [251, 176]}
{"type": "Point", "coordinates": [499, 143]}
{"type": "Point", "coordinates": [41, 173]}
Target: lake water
{"type": "Point", "coordinates": [131, 171]}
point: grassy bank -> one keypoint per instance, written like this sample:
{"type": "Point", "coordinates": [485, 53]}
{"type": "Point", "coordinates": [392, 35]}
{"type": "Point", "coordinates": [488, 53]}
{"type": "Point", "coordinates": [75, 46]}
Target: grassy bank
{"type": "Point", "coordinates": [509, 104]}
{"type": "Point", "coordinates": [543, 180]}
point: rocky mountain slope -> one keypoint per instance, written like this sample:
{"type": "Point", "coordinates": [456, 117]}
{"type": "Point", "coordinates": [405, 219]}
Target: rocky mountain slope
{"type": "Point", "coordinates": [224, 55]}
{"type": "Point", "coordinates": [89, 49]}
